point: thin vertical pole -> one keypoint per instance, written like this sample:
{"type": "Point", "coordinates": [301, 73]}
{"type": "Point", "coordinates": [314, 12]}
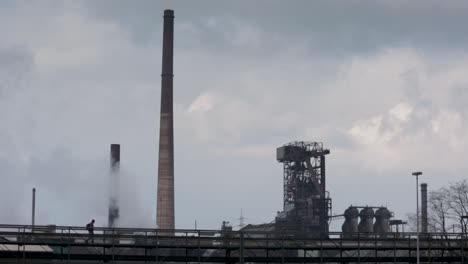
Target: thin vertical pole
{"type": "Point", "coordinates": [146, 246]}
{"type": "Point", "coordinates": [282, 248]}
{"type": "Point", "coordinates": [359, 247]}
{"type": "Point", "coordinates": [394, 246]}
{"type": "Point", "coordinates": [305, 255]}
{"type": "Point", "coordinates": [241, 253]}
{"type": "Point", "coordinates": [156, 248]}
{"type": "Point", "coordinates": [376, 249]}
{"type": "Point", "coordinates": [267, 247]}
{"type": "Point", "coordinates": [69, 241]}
{"type": "Point", "coordinates": [186, 247]}
{"type": "Point", "coordinates": [417, 220]}
{"type": "Point", "coordinates": [321, 250]}
{"type": "Point", "coordinates": [24, 244]}
{"type": "Point", "coordinates": [199, 251]}
{"type": "Point", "coordinates": [462, 250]}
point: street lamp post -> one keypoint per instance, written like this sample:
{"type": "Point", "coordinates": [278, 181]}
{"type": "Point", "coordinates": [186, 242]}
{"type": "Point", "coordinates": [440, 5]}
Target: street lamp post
{"type": "Point", "coordinates": [463, 235]}
{"type": "Point", "coordinates": [417, 173]}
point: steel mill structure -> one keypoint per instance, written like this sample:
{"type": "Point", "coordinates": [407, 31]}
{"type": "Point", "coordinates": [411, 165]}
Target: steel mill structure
{"type": "Point", "coordinates": [306, 204]}
{"type": "Point", "coordinates": [165, 201]}
{"type": "Point", "coordinates": [298, 234]}
{"type": "Point", "coordinates": [372, 223]}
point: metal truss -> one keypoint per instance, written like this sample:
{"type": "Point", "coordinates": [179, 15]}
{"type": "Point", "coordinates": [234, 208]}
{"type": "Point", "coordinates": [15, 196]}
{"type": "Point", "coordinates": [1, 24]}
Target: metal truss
{"type": "Point", "coordinates": [305, 202]}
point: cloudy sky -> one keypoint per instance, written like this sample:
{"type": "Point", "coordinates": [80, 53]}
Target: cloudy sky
{"type": "Point", "coordinates": [383, 84]}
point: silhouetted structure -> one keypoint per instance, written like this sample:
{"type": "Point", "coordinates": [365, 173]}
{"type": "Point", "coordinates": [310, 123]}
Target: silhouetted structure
{"type": "Point", "coordinates": [366, 225]}
{"type": "Point", "coordinates": [305, 204]}
{"type": "Point", "coordinates": [165, 201]}
{"type": "Point", "coordinates": [350, 225]}
{"type": "Point", "coordinates": [382, 221]}
{"type": "Point", "coordinates": [424, 208]}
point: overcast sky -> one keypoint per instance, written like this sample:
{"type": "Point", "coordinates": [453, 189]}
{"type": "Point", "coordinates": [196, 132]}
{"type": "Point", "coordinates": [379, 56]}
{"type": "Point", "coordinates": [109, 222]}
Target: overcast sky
{"type": "Point", "coordinates": [383, 84]}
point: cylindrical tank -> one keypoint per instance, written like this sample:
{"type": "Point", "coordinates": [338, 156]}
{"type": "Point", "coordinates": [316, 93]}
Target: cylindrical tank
{"type": "Point", "coordinates": [366, 225]}
{"type": "Point", "coordinates": [350, 224]}
{"type": "Point", "coordinates": [382, 221]}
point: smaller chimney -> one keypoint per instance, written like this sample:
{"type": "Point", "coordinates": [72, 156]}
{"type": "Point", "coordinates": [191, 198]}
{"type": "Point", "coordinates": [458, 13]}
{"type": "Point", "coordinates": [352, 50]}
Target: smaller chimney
{"type": "Point", "coordinates": [33, 215]}
{"type": "Point", "coordinates": [423, 207]}
{"type": "Point", "coordinates": [114, 175]}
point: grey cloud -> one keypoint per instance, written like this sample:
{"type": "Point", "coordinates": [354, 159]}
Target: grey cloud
{"type": "Point", "coordinates": [101, 86]}
{"type": "Point", "coordinates": [70, 191]}
{"type": "Point", "coordinates": [459, 97]}
{"type": "Point", "coordinates": [15, 66]}
{"type": "Point", "coordinates": [329, 28]}
{"type": "Point", "coordinates": [338, 139]}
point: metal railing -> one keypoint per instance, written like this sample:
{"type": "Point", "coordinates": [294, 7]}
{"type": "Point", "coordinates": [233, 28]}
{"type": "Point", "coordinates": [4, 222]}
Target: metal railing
{"type": "Point", "coordinates": [142, 244]}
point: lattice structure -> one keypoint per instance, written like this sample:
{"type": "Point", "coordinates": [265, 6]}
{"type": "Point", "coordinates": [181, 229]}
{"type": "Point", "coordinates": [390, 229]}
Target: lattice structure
{"type": "Point", "coordinates": [306, 204]}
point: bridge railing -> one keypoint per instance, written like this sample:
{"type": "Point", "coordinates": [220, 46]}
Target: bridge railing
{"type": "Point", "coordinates": [146, 243]}
{"type": "Point", "coordinates": [77, 234]}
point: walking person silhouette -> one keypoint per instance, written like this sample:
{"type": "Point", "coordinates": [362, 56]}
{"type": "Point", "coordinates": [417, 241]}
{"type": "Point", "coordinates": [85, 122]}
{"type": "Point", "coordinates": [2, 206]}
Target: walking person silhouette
{"type": "Point", "coordinates": [90, 228]}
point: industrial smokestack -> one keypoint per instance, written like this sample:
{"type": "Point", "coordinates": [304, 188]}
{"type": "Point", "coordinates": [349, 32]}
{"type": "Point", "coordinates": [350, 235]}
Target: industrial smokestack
{"type": "Point", "coordinates": [114, 167]}
{"type": "Point", "coordinates": [165, 203]}
{"type": "Point", "coordinates": [423, 207]}
{"type": "Point", "coordinates": [33, 215]}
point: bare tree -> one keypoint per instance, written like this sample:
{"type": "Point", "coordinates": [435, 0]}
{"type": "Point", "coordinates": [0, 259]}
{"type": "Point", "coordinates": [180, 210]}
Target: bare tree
{"type": "Point", "coordinates": [438, 206]}
{"type": "Point", "coordinates": [458, 204]}
{"type": "Point", "coordinates": [446, 207]}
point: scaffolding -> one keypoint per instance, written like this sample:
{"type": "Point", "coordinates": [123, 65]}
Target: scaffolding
{"type": "Point", "coordinates": [306, 204]}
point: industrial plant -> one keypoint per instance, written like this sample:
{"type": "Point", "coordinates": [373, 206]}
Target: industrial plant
{"type": "Point", "coordinates": [299, 233]}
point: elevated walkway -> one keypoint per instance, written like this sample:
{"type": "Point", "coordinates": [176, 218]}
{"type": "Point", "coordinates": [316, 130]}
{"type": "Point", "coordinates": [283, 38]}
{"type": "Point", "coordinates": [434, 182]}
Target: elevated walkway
{"type": "Point", "coordinates": [136, 245]}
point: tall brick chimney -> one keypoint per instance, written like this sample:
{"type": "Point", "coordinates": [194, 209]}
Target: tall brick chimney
{"type": "Point", "coordinates": [165, 203]}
